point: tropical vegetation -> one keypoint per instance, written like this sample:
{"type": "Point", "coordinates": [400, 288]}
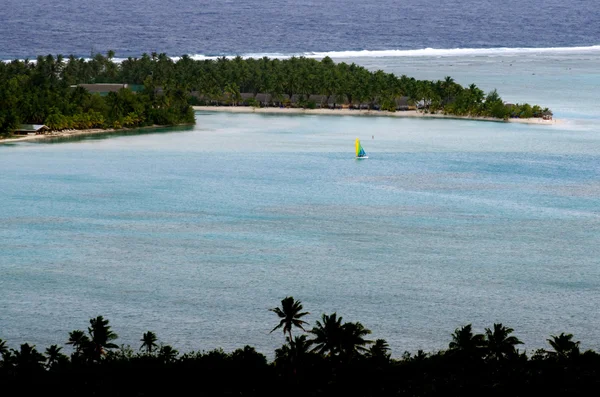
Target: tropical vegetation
{"type": "Point", "coordinates": [47, 90]}
{"type": "Point", "coordinates": [332, 358]}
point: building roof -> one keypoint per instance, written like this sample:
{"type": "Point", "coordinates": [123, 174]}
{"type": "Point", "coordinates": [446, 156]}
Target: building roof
{"type": "Point", "coordinates": [337, 99]}
{"type": "Point", "coordinates": [401, 101]}
{"type": "Point", "coordinates": [318, 98]}
{"type": "Point", "coordinates": [31, 128]}
{"type": "Point", "coordinates": [103, 88]}
{"type": "Point", "coordinates": [262, 97]}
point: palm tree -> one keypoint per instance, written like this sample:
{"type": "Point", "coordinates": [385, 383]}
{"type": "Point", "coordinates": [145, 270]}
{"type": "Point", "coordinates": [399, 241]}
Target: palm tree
{"type": "Point", "coordinates": [101, 337]}
{"type": "Point", "coordinates": [379, 351]}
{"type": "Point", "coordinates": [78, 340]}
{"type": "Point", "coordinates": [499, 343]}
{"type": "Point", "coordinates": [54, 355]}
{"type": "Point", "coordinates": [293, 353]}
{"type": "Point", "coordinates": [290, 314]}
{"type": "Point", "coordinates": [149, 341]}
{"type": "Point", "coordinates": [353, 340]}
{"type": "Point", "coordinates": [28, 357]}
{"type": "Point", "coordinates": [327, 335]}
{"type": "Point", "coordinates": [563, 345]}
{"type": "Point", "coordinates": [465, 343]}
{"type": "Point", "coordinates": [3, 349]}
{"type": "Point", "coordinates": [449, 87]}
{"type": "Point", "coordinates": [167, 353]}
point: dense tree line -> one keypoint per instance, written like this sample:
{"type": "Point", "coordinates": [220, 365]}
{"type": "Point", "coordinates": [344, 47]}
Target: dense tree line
{"type": "Point", "coordinates": [40, 92]}
{"type": "Point", "coordinates": [332, 358]}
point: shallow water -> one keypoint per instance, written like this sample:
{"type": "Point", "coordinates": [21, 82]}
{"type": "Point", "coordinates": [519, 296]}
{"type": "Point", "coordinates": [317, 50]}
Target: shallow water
{"type": "Point", "coordinates": [195, 232]}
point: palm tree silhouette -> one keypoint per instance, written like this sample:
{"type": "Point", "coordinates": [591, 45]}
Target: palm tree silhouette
{"type": "Point", "coordinates": [28, 358]}
{"type": "Point", "coordinates": [290, 314]}
{"type": "Point", "coordinates": [327, 335]}
{"type": "Point", "coordinates": [499, 343]}
{"type": "Point", "coordinates": [467, 344]}
{"type": "Point", "coordinates": [54, 355]}
{"type": "Point", "coordinates": [563, 345]}
{"type": "Point", "coordinates": [379, 351]}
{"type": "Point", "coordinates": [79, 340]}
{"type": "Point", "coordinates": [167, 353]}
{"type": "Point", "coordinates": [149, 341]}
{"type": "Point", "coordinates": [101, 337]}
{"type": "Point", "coordinates": [3, 349]}
{"type": "Point", "coordinates": [353, 340]}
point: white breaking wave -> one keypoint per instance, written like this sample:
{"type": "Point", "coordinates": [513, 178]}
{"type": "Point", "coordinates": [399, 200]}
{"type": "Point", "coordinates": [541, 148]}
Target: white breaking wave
{"type": "Point", "coordinates": [425, 52]}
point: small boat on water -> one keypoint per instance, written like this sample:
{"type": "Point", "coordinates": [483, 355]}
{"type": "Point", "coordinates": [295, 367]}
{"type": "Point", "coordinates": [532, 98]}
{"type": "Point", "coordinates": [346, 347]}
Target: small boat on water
{"type": "Point", "coordinates": [360, 152]}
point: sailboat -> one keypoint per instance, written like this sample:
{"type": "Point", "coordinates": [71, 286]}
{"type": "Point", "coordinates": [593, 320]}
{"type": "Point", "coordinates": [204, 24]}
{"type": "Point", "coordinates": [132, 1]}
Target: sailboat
{"type": "Point", "coordinates": [360, 152]}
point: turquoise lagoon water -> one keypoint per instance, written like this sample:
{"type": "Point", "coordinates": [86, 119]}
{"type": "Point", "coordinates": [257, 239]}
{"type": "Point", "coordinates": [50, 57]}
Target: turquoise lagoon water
{"type": "Point", "coordinates": [196, 232]}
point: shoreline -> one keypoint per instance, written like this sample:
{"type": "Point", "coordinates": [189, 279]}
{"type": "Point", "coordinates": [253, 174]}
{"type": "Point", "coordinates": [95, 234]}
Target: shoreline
{"type": "Point", "coordinates": [73, 133]}
{"type": "Point", "coordinates": [362, 112]}
{"type": "Point", "coordinates": [57, 134]}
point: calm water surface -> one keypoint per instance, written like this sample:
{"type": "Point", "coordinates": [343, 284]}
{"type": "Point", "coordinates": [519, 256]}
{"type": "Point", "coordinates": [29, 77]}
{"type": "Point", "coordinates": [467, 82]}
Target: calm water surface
{"type": "Point", "coordinates": [195, 232]}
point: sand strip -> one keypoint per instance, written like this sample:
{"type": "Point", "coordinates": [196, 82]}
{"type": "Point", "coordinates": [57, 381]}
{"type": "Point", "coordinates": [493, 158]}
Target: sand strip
{"type": "Point", "coordinates": [356, 112]}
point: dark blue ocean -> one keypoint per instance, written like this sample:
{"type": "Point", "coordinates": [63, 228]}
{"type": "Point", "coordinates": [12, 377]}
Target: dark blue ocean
{"type": "Point", "coordinates": [32, 27]}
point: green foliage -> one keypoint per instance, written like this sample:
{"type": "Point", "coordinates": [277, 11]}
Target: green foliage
{"type": "Point", "coordinates": [46, 91]}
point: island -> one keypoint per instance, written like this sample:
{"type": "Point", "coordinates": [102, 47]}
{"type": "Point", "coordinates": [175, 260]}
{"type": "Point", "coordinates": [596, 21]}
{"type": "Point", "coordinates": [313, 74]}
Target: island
{"type": "Point", "coordinates": [54, 95]}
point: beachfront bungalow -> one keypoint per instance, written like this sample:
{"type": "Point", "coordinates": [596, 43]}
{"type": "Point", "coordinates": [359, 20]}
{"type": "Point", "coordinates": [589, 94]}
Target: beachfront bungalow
{"type": "Point", "coordinates": [402, 103]}
{"type": "Point", "coordinates": [337, 101]}
{"type": "Point", "coordinates": [245, 97]}
{"type": "Point", "coordinates": [547, 115]}
{"type": "Point", "coordinates": [319, 100]}
{"type": "Point", "coordinates": [199, 99]}
{"type": "Point", "coordinates": [31, 129]}
{"type": "Point", "coordinates": [280, 100]}
{"type": "Point", "coordinates": [102, 89]}
{"type": "Point", "coordinates": [295, 99]}
{"type": "Point", "coordinates": [263, 99]}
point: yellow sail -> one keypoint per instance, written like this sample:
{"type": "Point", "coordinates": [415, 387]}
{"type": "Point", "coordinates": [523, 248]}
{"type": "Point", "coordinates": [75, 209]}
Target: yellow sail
{"type": "Point", "coordinates": [360, 152]}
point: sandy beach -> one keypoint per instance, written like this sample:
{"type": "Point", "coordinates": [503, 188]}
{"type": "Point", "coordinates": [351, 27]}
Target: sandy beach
{"type": "Point", "coordinates": [320, 112]}
{"type": "Point", "coordinates": [56, 134]}
{"type": "Point", "coordinates": [356, 112]}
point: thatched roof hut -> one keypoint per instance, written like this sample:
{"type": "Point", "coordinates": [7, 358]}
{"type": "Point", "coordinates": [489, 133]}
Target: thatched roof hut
{"type": "Point", "coordinates": [402, 103]}
{"type": "Point", "coordinates": [280, 99]}
{"type": "Point", "coordinates": [102, 89]}
{"type": "Point", "coordinates": [263, 98]}
{"type": "Point", "coordinates": [319, 100]}
{"type": "Point", "coordinates": [296, 98]}
{"type": "Point", "coordinates": [336, 101]}
{"type": "Point", "coordinates": [245, 96]}
{"type": "Point", "coordinates": [31, 129]}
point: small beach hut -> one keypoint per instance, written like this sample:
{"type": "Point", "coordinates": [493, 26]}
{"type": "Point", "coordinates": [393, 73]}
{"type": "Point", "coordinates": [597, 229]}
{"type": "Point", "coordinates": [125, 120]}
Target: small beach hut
{"type": "Point", "coordinates": [263, 99]}
{"type": "Point", "coordinates": [246, 96]}
{"type": "Point", "coordinates": [31, 129]}
{"type": "Point", "coordinates": [402, 103]}
{"type": "Point", "coordinates": [102, 89]}
{"type": "Point", "coordinates": [337, 101]}
{"type": "Point", "coordinates": [319, 100]}
{"type": "Point", "coordinates": [295, 99]}
{"type": "Point", "coordinates": [280, 99]}
{"type": "Point", "coordinates": [547, 115]}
